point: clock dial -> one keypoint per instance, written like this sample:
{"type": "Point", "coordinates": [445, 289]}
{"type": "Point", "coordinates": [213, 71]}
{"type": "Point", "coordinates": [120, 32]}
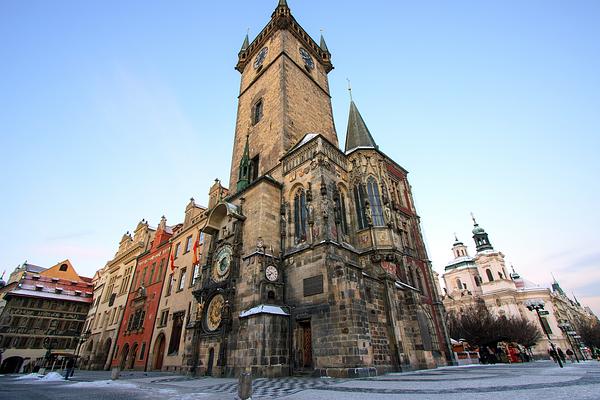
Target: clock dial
{"type": "Point", "coordinates": [260, 57]}
{"type": "Point", "coordinates": [271, 273]}
{"type": "Point", "coordinates": [214, 313]}
{"type": "Point", "coordinates": [308, 61]}
{"type": "Point", "coordinates": [221, 264]}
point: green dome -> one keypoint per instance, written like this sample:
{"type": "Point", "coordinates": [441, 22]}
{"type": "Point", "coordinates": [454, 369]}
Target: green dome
{"type": "Point", "coordinates": [478, 230]}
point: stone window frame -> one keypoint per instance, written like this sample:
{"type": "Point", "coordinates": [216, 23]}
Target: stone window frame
{"type": "Point", "coordinates": [300, 214]}
{"type": "Point", "coordinates": [258, 111]}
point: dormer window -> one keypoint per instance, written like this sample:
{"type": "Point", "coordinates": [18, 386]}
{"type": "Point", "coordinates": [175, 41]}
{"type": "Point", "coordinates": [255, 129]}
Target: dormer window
{"type": "Point", "coordinates": [78, 293]}
{"type": "Point", "coordinates": [59, 290]}
{"type": "Point", "coordinates": [54, 279]}
{"type": "Point", "coordinates": [39, 288]}
{"type": "Point", "coordinates": [36, 277]}
{"type": "Point", "coordinates": [257, 112]}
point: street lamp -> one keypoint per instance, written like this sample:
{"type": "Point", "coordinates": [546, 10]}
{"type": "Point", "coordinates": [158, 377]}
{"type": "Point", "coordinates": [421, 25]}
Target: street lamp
{"type": "Point", "coordinates": [566, 328]}
{"type": "Point", "coordinates": [537, 305]}
{"type": "Point", "coordinates": [82, 338]}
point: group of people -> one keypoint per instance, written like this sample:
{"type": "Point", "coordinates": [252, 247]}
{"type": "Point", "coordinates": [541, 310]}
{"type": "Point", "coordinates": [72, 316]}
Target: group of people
{"type": "Point", "coordinates": [558, 353]}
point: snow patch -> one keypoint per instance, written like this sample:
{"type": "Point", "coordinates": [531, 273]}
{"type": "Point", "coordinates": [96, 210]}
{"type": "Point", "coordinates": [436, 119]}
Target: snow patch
{"type": "Point", "coordinates": [52, 377]}
{"type": "Point", "coordinates": [29, 377]}
{"type": "Point", "coordinates": [106, 383]}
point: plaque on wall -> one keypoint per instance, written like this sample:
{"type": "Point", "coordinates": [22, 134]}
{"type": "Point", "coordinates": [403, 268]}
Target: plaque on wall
{"type": "Point", "coordinates": [313, 285]}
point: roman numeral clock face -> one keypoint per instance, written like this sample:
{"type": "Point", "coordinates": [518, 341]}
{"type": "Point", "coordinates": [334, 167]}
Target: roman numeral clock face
{"type": "Point", "coordinates": [271, 273]}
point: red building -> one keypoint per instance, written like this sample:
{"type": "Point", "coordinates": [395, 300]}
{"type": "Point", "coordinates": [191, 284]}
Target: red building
{"type": "Point", "coordinates": [137, 325]}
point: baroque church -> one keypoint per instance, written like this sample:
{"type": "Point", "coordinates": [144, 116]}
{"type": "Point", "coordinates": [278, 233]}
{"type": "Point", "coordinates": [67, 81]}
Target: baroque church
{"type": "Point", "coordinates": [315, 259]}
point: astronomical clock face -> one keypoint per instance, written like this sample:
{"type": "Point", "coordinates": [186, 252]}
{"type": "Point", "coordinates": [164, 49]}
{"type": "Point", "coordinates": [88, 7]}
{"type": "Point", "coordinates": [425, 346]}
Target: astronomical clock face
{"type": "Point", "coordinates": [308, 61]}
{"type": "Point", "coordinates": [271, 273]}
{"type": "Point", "coordinates": [214, 313]}
{"type": "Point", "coordinates": [260, 57]}
{"type": "Point", "coordinates": [221, 264]}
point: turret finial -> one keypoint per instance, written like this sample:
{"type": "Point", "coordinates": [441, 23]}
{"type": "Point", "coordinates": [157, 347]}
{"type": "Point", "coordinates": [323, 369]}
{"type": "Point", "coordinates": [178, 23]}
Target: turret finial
{"type": "Point", "coordinates": [349, 88]}
{"type": "Point", "coordinates": [473, 218]}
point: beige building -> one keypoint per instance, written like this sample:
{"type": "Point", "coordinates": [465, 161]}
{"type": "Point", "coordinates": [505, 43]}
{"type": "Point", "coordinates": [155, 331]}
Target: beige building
{"type": "Point", "coordinates": [170, 349]}
{"type": "Point", "coordinates": [111, 287]}
{"type": "Point", "coordinates": [484, 276]}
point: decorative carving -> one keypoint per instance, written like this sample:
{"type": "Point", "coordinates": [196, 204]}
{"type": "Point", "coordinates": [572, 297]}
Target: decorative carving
{"type": "Point", "coordinates": [214, 313]}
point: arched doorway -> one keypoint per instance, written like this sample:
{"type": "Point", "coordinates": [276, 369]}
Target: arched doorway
{"type": "Point", "coordinates": [124, 354]}
{"type": "Point", "coordinates": [134, 350]}
{"type": "Point", "coordinates": [211, 360]}
{"type": "Point", "coordinates": [12, 365]}
{"type": "Point", "coordinates": [105, 353]}
{"type": "Point", "coordinates": [159, 352]}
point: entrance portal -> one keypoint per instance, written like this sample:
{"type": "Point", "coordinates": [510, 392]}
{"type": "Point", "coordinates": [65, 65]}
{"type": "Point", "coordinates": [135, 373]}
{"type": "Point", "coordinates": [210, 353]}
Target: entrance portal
{"type": "Point", "coordinates": [159, 352]}
{"type": "Point", "coordinates": [303, 343]}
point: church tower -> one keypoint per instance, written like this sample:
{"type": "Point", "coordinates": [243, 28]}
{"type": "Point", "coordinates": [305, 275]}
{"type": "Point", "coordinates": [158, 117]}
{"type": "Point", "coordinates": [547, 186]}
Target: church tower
{"type": "Point", "coordinates": [284, 93]}
{"type": "Point", "coordinates": [482, 242]}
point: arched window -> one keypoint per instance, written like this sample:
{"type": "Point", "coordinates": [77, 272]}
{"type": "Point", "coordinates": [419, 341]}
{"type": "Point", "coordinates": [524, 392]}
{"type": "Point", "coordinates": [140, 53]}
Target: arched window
{"type": "Point", "coordinates": [458, 284]}
{"type": "Point", "coordinates": [340, 202]}
{"type": "Point", "coordinates": [300, 216]}
{"type": "Point", "coordinates": [489, 274]}
{"type": "Point", "coordinates": [478, 280]}
{"type": "Point", "coordinates": [375, 202]}
{"type": "Point", "coordinates": [360, 198]}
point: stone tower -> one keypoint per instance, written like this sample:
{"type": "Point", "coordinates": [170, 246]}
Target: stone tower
{"type": "Point", "coordinates": [284, 93]}
{"type": "Point", "coordinates": [316, 261]}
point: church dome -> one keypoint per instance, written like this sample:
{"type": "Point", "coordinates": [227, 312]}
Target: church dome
{"type": "Point", "coordinates": [478, 230]}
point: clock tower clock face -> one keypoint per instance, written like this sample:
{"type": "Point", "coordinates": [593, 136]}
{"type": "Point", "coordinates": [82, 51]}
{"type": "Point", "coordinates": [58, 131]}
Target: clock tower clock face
{"type": "Point", "coordinates": [308, 61]}
{"type": "Point", "coordinates": [260, 57]}
{"type": "Point", "coordinates": [271, 273]}
{"type": "Point", "coordinates": [221, 264]}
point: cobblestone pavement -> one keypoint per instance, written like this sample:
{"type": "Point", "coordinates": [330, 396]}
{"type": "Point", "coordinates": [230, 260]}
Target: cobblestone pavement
{"type": "Point", "coordinates": [539, 380]}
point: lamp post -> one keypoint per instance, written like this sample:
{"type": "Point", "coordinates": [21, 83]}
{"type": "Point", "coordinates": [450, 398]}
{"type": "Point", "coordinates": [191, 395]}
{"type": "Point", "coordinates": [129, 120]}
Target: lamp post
{"type": "Point", "coordinates": [538, 305]}
{"type": "Point", "coordinates": [82, 339]}
{"type": "Point", "coordinates": [566, 328]}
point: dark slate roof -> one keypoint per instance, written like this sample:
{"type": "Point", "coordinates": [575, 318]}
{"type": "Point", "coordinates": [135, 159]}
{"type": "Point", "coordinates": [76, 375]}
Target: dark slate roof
{"type": "Point", "coordinates": [358, 134]}
{"type": "Point", "coordinates": [33, 268]}
{"type": "Point", "coordinates": [246, 44]}
{"type": "Point", "coordinates": [323, 45]}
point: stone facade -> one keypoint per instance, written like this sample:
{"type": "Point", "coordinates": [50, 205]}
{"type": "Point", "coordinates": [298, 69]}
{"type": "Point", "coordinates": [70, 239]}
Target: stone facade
{"type": "Point", "coordinates": [315, 260]}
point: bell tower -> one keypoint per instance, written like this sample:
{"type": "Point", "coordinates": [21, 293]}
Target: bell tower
{"type": "Point", "coordinates": [284, 94]}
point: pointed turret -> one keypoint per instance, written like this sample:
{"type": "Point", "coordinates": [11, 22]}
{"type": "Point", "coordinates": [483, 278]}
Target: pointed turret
{"type": "Point", "coordinates": [246, 44]}
{"type": "Point", "coordinates": [357, 134]}
{"type": "Point", "coordinates": [244, 175]}
{"type": "Point", "coordinates": [282, 3]}
{"type": "Point", "coordinates": [323, 45]}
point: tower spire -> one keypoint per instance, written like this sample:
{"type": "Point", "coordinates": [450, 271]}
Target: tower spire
{"type": "Point", "coordinates": [322, 43]}
{"type": "Point", "coordinates": [246, 44]}
{"type": "Point", "coordinates": [244, 174]}
{"type": "Point", "coordinates": [357, 134]}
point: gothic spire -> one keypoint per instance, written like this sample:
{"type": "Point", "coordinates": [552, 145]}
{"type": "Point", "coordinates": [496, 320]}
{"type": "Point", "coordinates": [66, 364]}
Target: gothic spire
{"type": "Point", "coordinates": [244, 174]}
{"type": "Point", "coordinates": [357, 134]}
{"type": "Point", "coordinates": [323, 45]}
{"type": "Point", "coordinates": [283, 3]}
{"type": "Point", "coordinates": [246, 44]}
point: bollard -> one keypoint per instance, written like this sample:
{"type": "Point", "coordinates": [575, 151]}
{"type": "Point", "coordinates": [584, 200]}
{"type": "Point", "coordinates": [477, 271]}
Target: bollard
{"type": "Point", "coordinates": [245, 386]}
{"type": "Point", "coordinates": [115, 373]}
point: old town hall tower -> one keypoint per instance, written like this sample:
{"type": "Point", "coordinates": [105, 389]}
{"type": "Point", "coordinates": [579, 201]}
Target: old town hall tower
{"type": "Point", "coordinates": [315, 259]}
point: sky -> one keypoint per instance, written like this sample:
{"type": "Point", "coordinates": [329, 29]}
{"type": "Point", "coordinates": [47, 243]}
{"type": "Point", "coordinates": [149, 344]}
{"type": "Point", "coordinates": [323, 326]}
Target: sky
{"type": "Point", "coordinates": [114, 111]}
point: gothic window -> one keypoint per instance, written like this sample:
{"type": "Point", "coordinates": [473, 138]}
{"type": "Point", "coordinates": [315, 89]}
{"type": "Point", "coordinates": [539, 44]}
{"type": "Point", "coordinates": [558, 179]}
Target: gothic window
{"type": "Point", "coordinates": [254, 168]}
{"type": "Point", "coordinates": [257, 112]}
{"type": "Point", "coordinates": [360, 199]}
{"type": "Point", "coordinates": [375, 202]}
{"type": "Point", "coordinates": [300, 215]}
{"type": "Point", "coordinates": [489, 274]}
{"type": "Point", "coordinates": [344, 222]}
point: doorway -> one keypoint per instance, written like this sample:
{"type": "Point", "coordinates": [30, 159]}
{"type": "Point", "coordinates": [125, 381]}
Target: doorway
{"type": "Point", "coordinates": [124, 354]}
{"type": "Point", "coordinates": [304, 350]}
{"type": "Point", "coordinates": [159, 352]}
{"type": "Point", "coordinates": [211, 360]}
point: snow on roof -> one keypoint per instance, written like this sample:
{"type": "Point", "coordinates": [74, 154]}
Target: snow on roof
{"type": "Point", "coordinates": [47, 295]}
{"type": "Point", "coordinates": [307, 138]}
{"type": "Point", "coordinates": [263, 309]}
{"type": "Point", "coordinates": [402, 286]}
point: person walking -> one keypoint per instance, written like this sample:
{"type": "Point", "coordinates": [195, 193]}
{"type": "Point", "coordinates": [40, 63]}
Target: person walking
{"type": "Point", "coordinates": [70, 368]}
{"type": "Point", "coordinates": [570, 355]}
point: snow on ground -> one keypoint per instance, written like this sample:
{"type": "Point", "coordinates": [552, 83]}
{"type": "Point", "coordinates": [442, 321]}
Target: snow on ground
{"type": "Point", "coordinates": [29, 377]}
{"type": "Point", "coordinates": [104, 384]}
{"type": "Point", "coordinates": [52, 377]}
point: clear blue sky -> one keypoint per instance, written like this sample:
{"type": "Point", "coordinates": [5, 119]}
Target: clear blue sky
{"type": "Point", "coordinates": [115, 111]}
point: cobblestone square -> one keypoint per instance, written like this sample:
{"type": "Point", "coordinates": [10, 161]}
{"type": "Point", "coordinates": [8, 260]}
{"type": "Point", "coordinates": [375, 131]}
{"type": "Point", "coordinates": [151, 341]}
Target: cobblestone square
{"type": "Point", "coordinates": [542, 379]}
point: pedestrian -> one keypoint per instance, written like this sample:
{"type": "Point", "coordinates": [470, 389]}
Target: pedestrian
{"type": "Point", "coordinates": [570, 355]}
{"type": "Point", "coordinates": [552, 354]}
{"type": "Point", "coordinates": [561, 354]}
{"type": "Point", "coordinates": [70, 368]}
